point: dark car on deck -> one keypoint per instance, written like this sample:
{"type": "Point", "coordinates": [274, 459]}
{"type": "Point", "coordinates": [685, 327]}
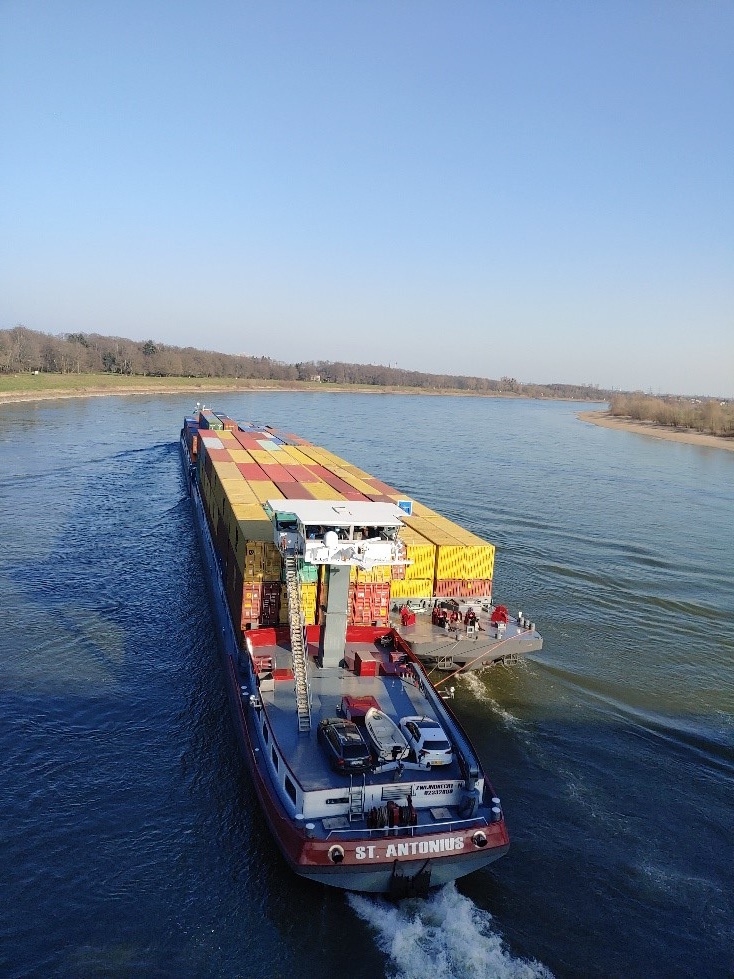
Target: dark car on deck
{"type": "Point", "coordinates": [343, 743]}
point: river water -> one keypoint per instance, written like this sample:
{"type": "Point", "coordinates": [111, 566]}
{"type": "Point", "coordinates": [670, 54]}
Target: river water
{"type": "Point", "coordinates": [131, 842]}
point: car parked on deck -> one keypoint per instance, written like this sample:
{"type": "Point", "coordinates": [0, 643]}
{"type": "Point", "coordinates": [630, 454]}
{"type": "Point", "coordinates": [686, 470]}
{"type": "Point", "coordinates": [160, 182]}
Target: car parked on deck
{"type": "Point", "coordinates": [427, 740]}
{"type": "Point", "coordinates": [344, 745]}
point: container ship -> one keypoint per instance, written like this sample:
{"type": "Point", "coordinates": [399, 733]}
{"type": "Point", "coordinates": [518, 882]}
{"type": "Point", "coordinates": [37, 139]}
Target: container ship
{"type": "Point", "coordinates": [331, 592]}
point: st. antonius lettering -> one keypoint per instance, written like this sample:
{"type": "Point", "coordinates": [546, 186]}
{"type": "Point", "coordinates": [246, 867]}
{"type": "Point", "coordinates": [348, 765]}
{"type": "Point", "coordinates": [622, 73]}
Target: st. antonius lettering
{"type": "Point", "coordinates": [410, 848]}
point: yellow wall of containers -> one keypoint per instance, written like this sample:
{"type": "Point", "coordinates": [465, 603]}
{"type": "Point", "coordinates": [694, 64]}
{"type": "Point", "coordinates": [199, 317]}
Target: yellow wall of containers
{"type": "Point", "coordinates": [444, 557]}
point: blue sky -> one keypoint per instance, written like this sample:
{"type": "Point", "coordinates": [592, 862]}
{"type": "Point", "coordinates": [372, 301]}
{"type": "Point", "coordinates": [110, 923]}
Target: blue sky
{"type": "Point", "coordinates": [535, 189]}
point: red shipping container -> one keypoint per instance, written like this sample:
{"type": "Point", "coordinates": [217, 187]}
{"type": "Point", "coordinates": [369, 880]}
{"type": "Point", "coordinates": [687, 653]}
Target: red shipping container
{"type": "Point", "coordinates": [299, 473]}
{"type": "Point", "coordinates": [275, 472]}
{"type": "Point", "coordinates": [365, 664]}
{"type": "Point", "coordinates": [252, 472]}
{"type": "Point", "coordinates": [293, 491]}
{"type": "Point", "coordinates": [219, 455]}
{"type": "Point", "coordinates": [476, 588]}
{"type": "Point", "coordinates": [448, 587]}
{"type": "Point", "coordinates": [380, 486]}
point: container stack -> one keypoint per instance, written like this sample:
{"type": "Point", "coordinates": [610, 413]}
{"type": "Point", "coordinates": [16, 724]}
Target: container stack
{"type": "Point", "coordinates": [240, 467]}
{"type": "Point", "coordinates": [191, 436]}
{"type": "Point", "coordinates": [369, 603]}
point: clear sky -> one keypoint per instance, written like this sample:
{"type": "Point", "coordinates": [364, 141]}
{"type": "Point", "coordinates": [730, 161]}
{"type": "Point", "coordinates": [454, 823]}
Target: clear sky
{"type": "Point", "coordinates": [535, 188]}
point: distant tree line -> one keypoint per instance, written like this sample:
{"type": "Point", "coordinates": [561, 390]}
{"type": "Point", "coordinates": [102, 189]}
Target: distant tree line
{"type": "Point", "coordinates": [22, 350]}
{"type": "Point", "coordinates": [707, 415]}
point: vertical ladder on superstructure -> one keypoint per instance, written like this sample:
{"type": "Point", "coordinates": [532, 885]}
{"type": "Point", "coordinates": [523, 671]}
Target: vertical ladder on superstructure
{"type": "Point", "coordinates": [298, 645]}
{"type": "Point", "coordinates": [356, 798]}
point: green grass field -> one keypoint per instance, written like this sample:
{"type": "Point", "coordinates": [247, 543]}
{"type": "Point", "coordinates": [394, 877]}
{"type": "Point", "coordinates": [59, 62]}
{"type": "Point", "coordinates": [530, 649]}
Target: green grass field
{"type": "Point", "coordinates": [80, 384]}
{"type": "Point", "coordinates": [24, 386]}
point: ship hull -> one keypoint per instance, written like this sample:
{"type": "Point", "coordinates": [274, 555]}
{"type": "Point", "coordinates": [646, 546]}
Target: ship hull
{"type": "Point", "coordinates": [391, 861]}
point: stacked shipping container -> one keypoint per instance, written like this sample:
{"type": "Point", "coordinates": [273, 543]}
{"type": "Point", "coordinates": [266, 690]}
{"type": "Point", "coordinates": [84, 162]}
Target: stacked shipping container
{"type": "Point", "coordinates": [241, 467]}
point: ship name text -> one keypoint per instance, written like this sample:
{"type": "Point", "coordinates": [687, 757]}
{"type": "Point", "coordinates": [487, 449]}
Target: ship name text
{"type": "Point", "coordinates": [409, 848]}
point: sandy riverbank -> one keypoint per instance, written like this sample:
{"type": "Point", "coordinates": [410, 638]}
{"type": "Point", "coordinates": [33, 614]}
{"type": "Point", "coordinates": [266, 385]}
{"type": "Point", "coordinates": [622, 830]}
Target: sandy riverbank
{"type": "Point", "coordinates": [652, 430]}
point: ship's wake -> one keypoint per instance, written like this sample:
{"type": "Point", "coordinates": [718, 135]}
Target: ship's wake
{"type": "Point", "coordinates": [476, 684]}
{"type": "Point", "coordinates": [444, 936]}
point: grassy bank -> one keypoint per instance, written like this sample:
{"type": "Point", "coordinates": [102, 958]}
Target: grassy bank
{"type": "Point", "coordinates": [49, 385]}
{"type": "Point", "coordinates": [29, 386]}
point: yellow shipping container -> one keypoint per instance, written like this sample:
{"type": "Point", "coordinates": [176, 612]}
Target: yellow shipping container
{"type": "Point", "coordinates": [380, 573]}
{"type": "Point", "coordinates": [468, 539]}
{"type": "Point", "coordinates": [322, 491]}
{"type": "Point", "coordinates": [411, 588]}
{"type": "Point", "coordinates": [449, 561]}
{"type": "Point", "coordinates": [479, 561]}
{"type": "Point", "coordinates": [250, 532]}
{"type": "Point", "coordinates": [226, 470]}
{"type": "Point", "coordinates": [273, 563]}
{"type": "Point", "coordinates": [308, 593]}
{"type": "Point", "coordinates": [436, 535]}
{"type": "Point", "coordinates": [238, 491]}
{"type": "Point", "coordinates": [309, 452]}
{"type": "Point", "coordinates": [237, 511]}
{"type": "Point", "coordinates": [422, 524]}
{"type": "Point", "coordinates": [265, 490]}
{"type": "Point", "coordinates": [356, 471]}
{"type": "Point", "coordinates": [444, 522]}
{"type": "Point", "coordinates": [217, 492]}
{"type": "Point", "coordinates": [420, 510]}
{"type": "Point", "coordinates": [299, 457]}
{"type": "Point", "coordinates": [331, 461]}
{"type": "Point", "coordinates": [240, 455]}
{"type": "Point", "coordinates": [423, 557]}
{"type": "Point", "coordinates": [251, 511]}
{"type": "Point", "coordinates": [265, 455]}
{"type": "Point", "coordinates": [358, 484]}
{"type": "Point", "coordinates": [258, 560]}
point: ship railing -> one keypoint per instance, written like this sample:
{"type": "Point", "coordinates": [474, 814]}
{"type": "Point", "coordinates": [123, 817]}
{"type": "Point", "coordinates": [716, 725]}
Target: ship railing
{"type": "Point", "coordinates": [398, 832]}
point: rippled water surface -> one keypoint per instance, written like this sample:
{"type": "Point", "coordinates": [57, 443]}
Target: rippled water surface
{"type": "Point", "coordinates": [131, 842]}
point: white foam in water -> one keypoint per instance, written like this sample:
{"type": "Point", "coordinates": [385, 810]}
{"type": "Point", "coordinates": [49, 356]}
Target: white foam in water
{"type": "Point", "coordinates": [476, 686]}
{"type": "Point", "coordinates": [445, 936]}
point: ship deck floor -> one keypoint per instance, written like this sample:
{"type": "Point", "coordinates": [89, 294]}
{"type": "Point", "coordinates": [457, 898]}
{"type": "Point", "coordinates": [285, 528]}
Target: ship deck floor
{"type": "Point", "coordinates": [431, 642]}
{"type": "Point", "coordinates": [396, 697]}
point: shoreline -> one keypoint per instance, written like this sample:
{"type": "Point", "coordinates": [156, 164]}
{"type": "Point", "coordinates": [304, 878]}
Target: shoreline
{"type": "Point", "coordinates": [98, 391]}
{"type": "Point", "coordinates": [651, 430]}
{"type": "Point", "coordinates": [59, 394]}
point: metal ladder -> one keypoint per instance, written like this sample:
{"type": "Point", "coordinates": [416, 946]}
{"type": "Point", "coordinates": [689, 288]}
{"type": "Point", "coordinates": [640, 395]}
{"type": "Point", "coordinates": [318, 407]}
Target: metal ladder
{"type": "Point", "coordinates": [298, 645]}
{"type": "Point", "coordinates": [356, 798]}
